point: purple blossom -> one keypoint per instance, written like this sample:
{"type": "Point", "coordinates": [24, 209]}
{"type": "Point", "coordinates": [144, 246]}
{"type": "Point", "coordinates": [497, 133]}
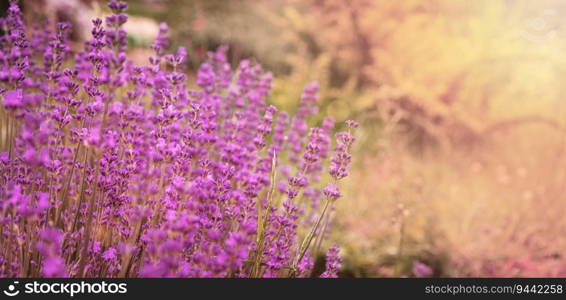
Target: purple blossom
{"type": "Point", "coordinates": [49, 246]}
{"type": "Point", "coordinates": [331, 191]}
{"type": "Point", "coordinates": [340, 161]}
{"type": "Point", "coordinates": [13, 99]}
{"type": "Point", "coordinates": [117, 170]}
{"type": "Point", "coordinates": [333, 262]}
{"type": "Point", "coordinates": [421, 270]}
{"type": "Point", "coordinates": [110, 254]}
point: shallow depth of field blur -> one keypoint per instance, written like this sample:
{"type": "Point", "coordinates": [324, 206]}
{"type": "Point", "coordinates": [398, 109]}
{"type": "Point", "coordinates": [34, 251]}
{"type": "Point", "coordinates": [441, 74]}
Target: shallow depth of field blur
{"type": "Point", "coordinates": [459, 166]}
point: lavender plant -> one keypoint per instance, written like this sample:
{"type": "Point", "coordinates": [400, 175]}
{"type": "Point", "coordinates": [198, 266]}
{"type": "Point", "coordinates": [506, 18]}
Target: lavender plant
{"type": "Point", "coordinates": [109, 169]}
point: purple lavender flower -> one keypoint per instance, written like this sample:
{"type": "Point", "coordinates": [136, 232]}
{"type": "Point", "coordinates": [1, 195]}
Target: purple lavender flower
{"type": "Point", "coordinates": [340, 161]}
{"type": "Point", "coordinates": [13, 99]}
{"type": "Point", "coordinates": [333, 262]}
{"type": "Point", "coordinates": [332, 192]}
{"type": "Point", "coordinates": [421, 270]}
{"type": "Point", "coordinates": [110, 169]}
{"type": "Point", "coordinates": [49, 246]}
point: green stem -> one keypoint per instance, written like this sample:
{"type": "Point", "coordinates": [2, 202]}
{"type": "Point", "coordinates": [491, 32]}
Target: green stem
{"type": "Point", "coordinates": [307, 241]}
{"type": "Point", "coordinates": [86, 240]}
{"type": "Point", "coordinates": [262, 224]}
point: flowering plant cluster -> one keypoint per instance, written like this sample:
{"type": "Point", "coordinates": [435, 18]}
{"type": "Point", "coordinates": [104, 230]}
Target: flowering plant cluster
{"type": "Point", "coordinates": [108, 169]}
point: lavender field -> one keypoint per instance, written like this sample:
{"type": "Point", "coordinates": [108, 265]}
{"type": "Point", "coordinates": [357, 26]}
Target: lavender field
{"type": "Point", "coordinates": [281, 139]}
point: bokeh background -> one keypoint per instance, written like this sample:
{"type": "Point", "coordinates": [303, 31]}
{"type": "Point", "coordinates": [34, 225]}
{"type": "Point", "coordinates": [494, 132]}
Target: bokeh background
{"type": "Point", "coordinates": [459, 166]}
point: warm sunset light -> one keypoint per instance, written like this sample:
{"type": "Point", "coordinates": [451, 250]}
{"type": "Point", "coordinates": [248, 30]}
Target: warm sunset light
{"type": "Point", "coordinates": [282, 138]}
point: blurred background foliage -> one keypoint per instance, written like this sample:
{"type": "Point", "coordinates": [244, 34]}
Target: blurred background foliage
{"type": "Point", "coordinates": [460, 161]}
{"type": "Point", "coordinates": [446, 70]}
